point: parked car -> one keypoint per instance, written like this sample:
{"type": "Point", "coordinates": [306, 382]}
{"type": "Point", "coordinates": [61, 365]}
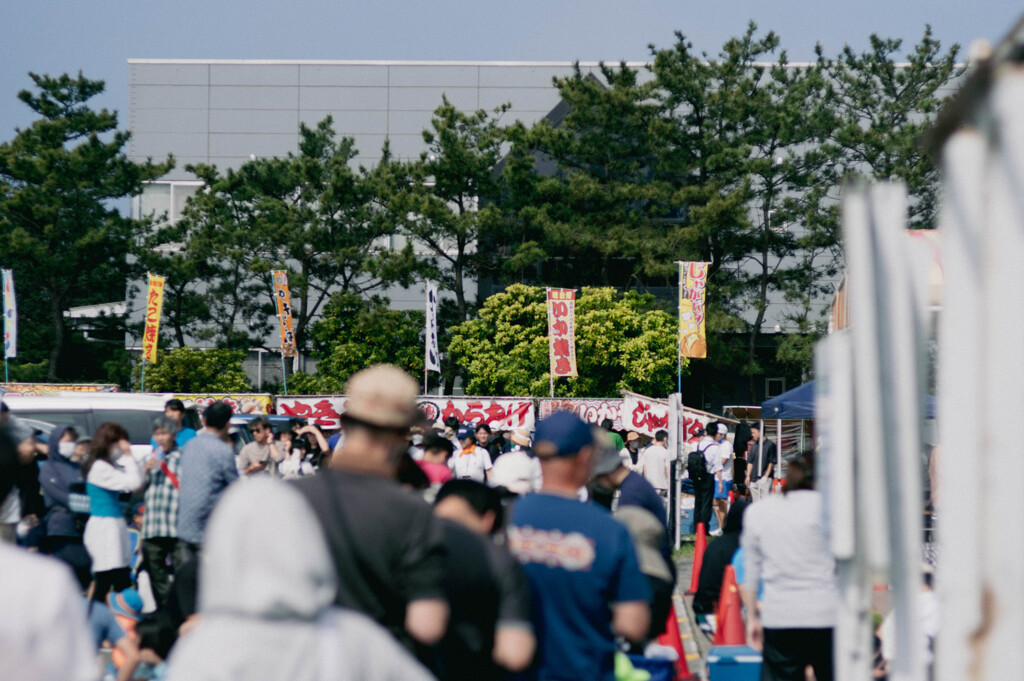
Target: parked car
{"type": "Point", "coordinates": [134, 411]}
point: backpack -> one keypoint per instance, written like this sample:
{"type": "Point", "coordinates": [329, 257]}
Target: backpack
{"type": "Point", "coordinates": [697, 467]}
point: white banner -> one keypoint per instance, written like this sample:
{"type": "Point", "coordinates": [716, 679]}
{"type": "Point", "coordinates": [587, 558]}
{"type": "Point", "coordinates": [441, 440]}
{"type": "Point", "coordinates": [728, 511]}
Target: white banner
{"type": "Point", "coordinates": [432, 358]}
{"type": "Point", "coordinates": [647, 416]}
{"type": "Point", "coordinates": [502, 413]}
{"type": "Point", "coordinates": [10, 316]}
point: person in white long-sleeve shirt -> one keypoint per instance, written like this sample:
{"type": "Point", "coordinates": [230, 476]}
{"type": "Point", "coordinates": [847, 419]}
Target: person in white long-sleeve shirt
{"type": "Point", "coordinates": [785, 545]}
{"type": "Point", "coordinates": [109, 470]}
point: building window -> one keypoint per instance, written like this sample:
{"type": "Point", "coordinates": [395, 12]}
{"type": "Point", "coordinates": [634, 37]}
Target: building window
{"type": "Point", "coordinates": [773, 387]}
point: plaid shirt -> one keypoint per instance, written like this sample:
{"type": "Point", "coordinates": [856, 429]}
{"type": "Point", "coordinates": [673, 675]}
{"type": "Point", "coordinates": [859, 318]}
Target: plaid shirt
{"type": "Point", "coordinates": [161, 516]}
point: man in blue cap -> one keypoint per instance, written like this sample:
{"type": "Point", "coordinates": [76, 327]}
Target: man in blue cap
{"type": "Point", "coordinates": [586, 584]}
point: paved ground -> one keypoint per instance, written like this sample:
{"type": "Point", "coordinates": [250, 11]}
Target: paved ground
{"type": "Point", "coordinates": [694, 640]}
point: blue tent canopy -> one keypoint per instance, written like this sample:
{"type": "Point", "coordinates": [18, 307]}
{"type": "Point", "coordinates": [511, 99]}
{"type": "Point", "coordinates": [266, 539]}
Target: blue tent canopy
{"type": "Point", "coordinates": [797, 403]}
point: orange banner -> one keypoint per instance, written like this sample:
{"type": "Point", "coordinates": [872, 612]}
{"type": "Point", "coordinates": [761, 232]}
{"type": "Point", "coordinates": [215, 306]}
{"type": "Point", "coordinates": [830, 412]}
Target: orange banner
{"type": "Point", "coordinates": [284, 313]}
{"type": "Point", "coordinates": [693, 280]}
{"type": "Point", "coordinates": [562, 332]}
{"type": "Point", "coordinates": [154, 306]}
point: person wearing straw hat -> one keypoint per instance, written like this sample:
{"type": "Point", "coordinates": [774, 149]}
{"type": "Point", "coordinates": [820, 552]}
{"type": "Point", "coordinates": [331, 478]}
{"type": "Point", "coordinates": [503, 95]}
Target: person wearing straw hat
{"type": "Point", "coordinates": [387, 547]}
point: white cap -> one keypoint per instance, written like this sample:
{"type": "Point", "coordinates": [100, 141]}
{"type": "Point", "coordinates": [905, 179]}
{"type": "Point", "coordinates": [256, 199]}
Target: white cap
{"type": "Point", "coordinates": [723, 429]}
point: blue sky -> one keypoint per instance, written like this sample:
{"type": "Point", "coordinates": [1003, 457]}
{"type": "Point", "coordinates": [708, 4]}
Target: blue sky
{"type": "Point", "coordinates": [98, 36]}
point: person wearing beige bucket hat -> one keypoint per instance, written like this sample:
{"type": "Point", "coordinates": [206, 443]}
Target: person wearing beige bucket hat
{"type": "Point", "coordinates": [386, 545]}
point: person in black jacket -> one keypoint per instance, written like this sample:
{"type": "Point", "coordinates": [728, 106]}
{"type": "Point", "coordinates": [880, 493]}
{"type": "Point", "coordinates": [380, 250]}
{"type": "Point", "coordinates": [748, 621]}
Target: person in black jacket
{"type": "Point", "coordinates": [717, 556]}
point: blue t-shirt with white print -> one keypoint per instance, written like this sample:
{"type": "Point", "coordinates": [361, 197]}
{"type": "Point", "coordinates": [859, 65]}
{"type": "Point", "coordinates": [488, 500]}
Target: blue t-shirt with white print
{"type": "Point", "coordinates": [580, 562]}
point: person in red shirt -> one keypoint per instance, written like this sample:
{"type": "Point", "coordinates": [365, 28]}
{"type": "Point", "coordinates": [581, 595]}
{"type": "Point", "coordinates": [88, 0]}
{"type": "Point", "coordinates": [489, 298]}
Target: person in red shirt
{"type": "Point", "coordinates": [436, 450]}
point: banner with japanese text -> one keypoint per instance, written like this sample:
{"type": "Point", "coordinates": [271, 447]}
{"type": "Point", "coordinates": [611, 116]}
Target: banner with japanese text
{"type": "Point", "coordinates": [154, 307]}
{"type": "Point", "coordinates": [647, 416]}
{"type": "Point", "coordinates": [500, 413]}
{"type": "Point", "coordinates": [240, 403]}
{"type": "Point", "coordinates": [10, 316]}
{"type": "Point", "coordinates": [283, 299]}
{"type": "Point", "coordinates": [432, 358]}
{"type": "Point", "coordinates": [41, 389]}
{"type": "Point", "coordinates": [590, 409]}
{"type": "Point", "coordinates": [693, 279]}
{"type": "Point", "coordinates": [562, 332]}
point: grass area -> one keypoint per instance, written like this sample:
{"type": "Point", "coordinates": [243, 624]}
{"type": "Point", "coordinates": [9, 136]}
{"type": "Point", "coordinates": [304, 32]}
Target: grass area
{"type": "Point", "coordinates": [685, 550]}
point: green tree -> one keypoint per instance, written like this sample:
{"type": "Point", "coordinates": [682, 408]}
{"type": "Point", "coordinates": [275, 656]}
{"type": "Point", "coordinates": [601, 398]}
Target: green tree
{"type": "Point", "coordinates": [750, 134]}
{"type": "Point", "coordinates": [60, 230]}
{"type": "Point", "coordinates": [309, 213]}
{"type": "Point", "coordinates": [444, 202]}
{"type": "Point", "coordinates": [604, 214]}
{"type": "Point", "coordinates": [883, 106]}
{"type": "Point", "coordinates": [623, 342]}
{"type": "Point", "coordinates": [196, 370]}
{"type": "Point", "coordinates": [355, 333]}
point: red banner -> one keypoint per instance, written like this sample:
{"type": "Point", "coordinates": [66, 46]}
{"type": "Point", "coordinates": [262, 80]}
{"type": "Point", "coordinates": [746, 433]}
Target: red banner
{"type": "Point", "coordinates": [562, 332]}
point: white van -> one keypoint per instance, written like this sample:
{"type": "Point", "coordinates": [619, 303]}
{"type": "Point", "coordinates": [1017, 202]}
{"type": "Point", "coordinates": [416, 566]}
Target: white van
{"type": "Point", "coordinates": [134, 411]}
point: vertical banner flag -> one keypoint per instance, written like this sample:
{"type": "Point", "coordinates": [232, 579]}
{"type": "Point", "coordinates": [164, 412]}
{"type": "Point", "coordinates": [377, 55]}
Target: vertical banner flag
{"type": "Point", "coordinates": [154, 306]}
{"type": "Point", "coordinates": [562, 331]}
{"type": "Point", "coordinates": [693, 280]}
{"type": "Point", "coordinates": [283, 298]}
{"type": "Point", "coordinates": [10, 316]}
{"type": "Point", "coordinates": [432, 361]}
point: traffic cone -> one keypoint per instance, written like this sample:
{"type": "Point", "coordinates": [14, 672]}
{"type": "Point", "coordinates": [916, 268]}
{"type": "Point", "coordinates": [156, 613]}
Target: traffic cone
{"type": "Point", "coordinates": [730, 630]}
{"type": "Point", "coordinates": [672, 638]}
{"type": "Point", "coordinates": [699, 545]}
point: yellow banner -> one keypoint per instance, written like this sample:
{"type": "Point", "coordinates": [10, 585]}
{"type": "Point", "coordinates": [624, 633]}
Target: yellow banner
{"type": "Point", "coordinates": [283, 298]}
{"type": "Point", "coordinates": [693, 280]}
{"type": "Point", "coordinates": [562, 332]}
{"type": "Point", "coordinates": [154, 306]}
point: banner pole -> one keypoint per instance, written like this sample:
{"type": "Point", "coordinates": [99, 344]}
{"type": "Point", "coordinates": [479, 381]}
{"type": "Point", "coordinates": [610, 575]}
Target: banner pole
{"type": "Point", "coordinates": [142, 384]}
{"type": "Point", "coordinates": [7, 378]}
{"type": "Point", "coordinates": [424, 380]}
{"type": "Point", "coordinates": [284, 374]}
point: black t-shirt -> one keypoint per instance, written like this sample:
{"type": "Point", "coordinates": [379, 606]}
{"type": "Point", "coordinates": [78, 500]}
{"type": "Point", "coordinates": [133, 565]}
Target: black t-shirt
{"type": "Point", "coordinates": [485, 587]}
{"type": "Point", "coordinates": [386, 545]}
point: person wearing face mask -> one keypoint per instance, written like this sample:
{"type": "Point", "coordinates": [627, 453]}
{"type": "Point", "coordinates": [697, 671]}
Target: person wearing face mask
{"type": "Point", "coordinates": [63, 529]}
{"type": "Point", "coordinates": [109, 470]}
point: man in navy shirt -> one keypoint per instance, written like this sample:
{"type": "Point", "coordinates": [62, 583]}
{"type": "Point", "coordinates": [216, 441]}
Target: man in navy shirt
{"type": "Point", "coordinates": [586, 585]}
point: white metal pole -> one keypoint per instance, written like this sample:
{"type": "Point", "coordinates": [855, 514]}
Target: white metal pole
{"type": "Point", "coordinates": [958, 575]}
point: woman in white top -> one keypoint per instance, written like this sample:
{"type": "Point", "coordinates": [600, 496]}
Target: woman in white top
{"type": "Point", "coordinates": [785, 545]}
{"type": "Point", "coordinates": [109, 470]}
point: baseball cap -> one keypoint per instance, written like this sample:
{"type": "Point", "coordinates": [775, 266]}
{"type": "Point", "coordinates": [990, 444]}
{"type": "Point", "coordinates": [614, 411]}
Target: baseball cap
{"type": "Point", "coordinates": [632, 435]}
{"type": "Point", "coordinates": [723, 429]}
{"type": "Point", "coordinates": [382, 396]}
{"type": "Point", "coordinates": [562, 434]}
{"type": "Point", "coordinates": [465, 432]}
{"type": "Point", "coordinates": [127, 603]}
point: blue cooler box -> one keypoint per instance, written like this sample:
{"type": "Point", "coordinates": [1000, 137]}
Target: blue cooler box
{"type": "Point", "coordinates": [734, 663]}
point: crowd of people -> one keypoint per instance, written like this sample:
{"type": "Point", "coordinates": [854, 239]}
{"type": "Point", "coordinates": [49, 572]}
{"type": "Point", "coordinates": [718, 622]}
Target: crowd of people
{"type": "Point", "coordinates": [392, 550]}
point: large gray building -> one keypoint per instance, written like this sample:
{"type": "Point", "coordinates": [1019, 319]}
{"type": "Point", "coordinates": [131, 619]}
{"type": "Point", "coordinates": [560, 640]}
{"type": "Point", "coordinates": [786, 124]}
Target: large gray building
{"type": "Point", "coordinates": [225, 112]}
